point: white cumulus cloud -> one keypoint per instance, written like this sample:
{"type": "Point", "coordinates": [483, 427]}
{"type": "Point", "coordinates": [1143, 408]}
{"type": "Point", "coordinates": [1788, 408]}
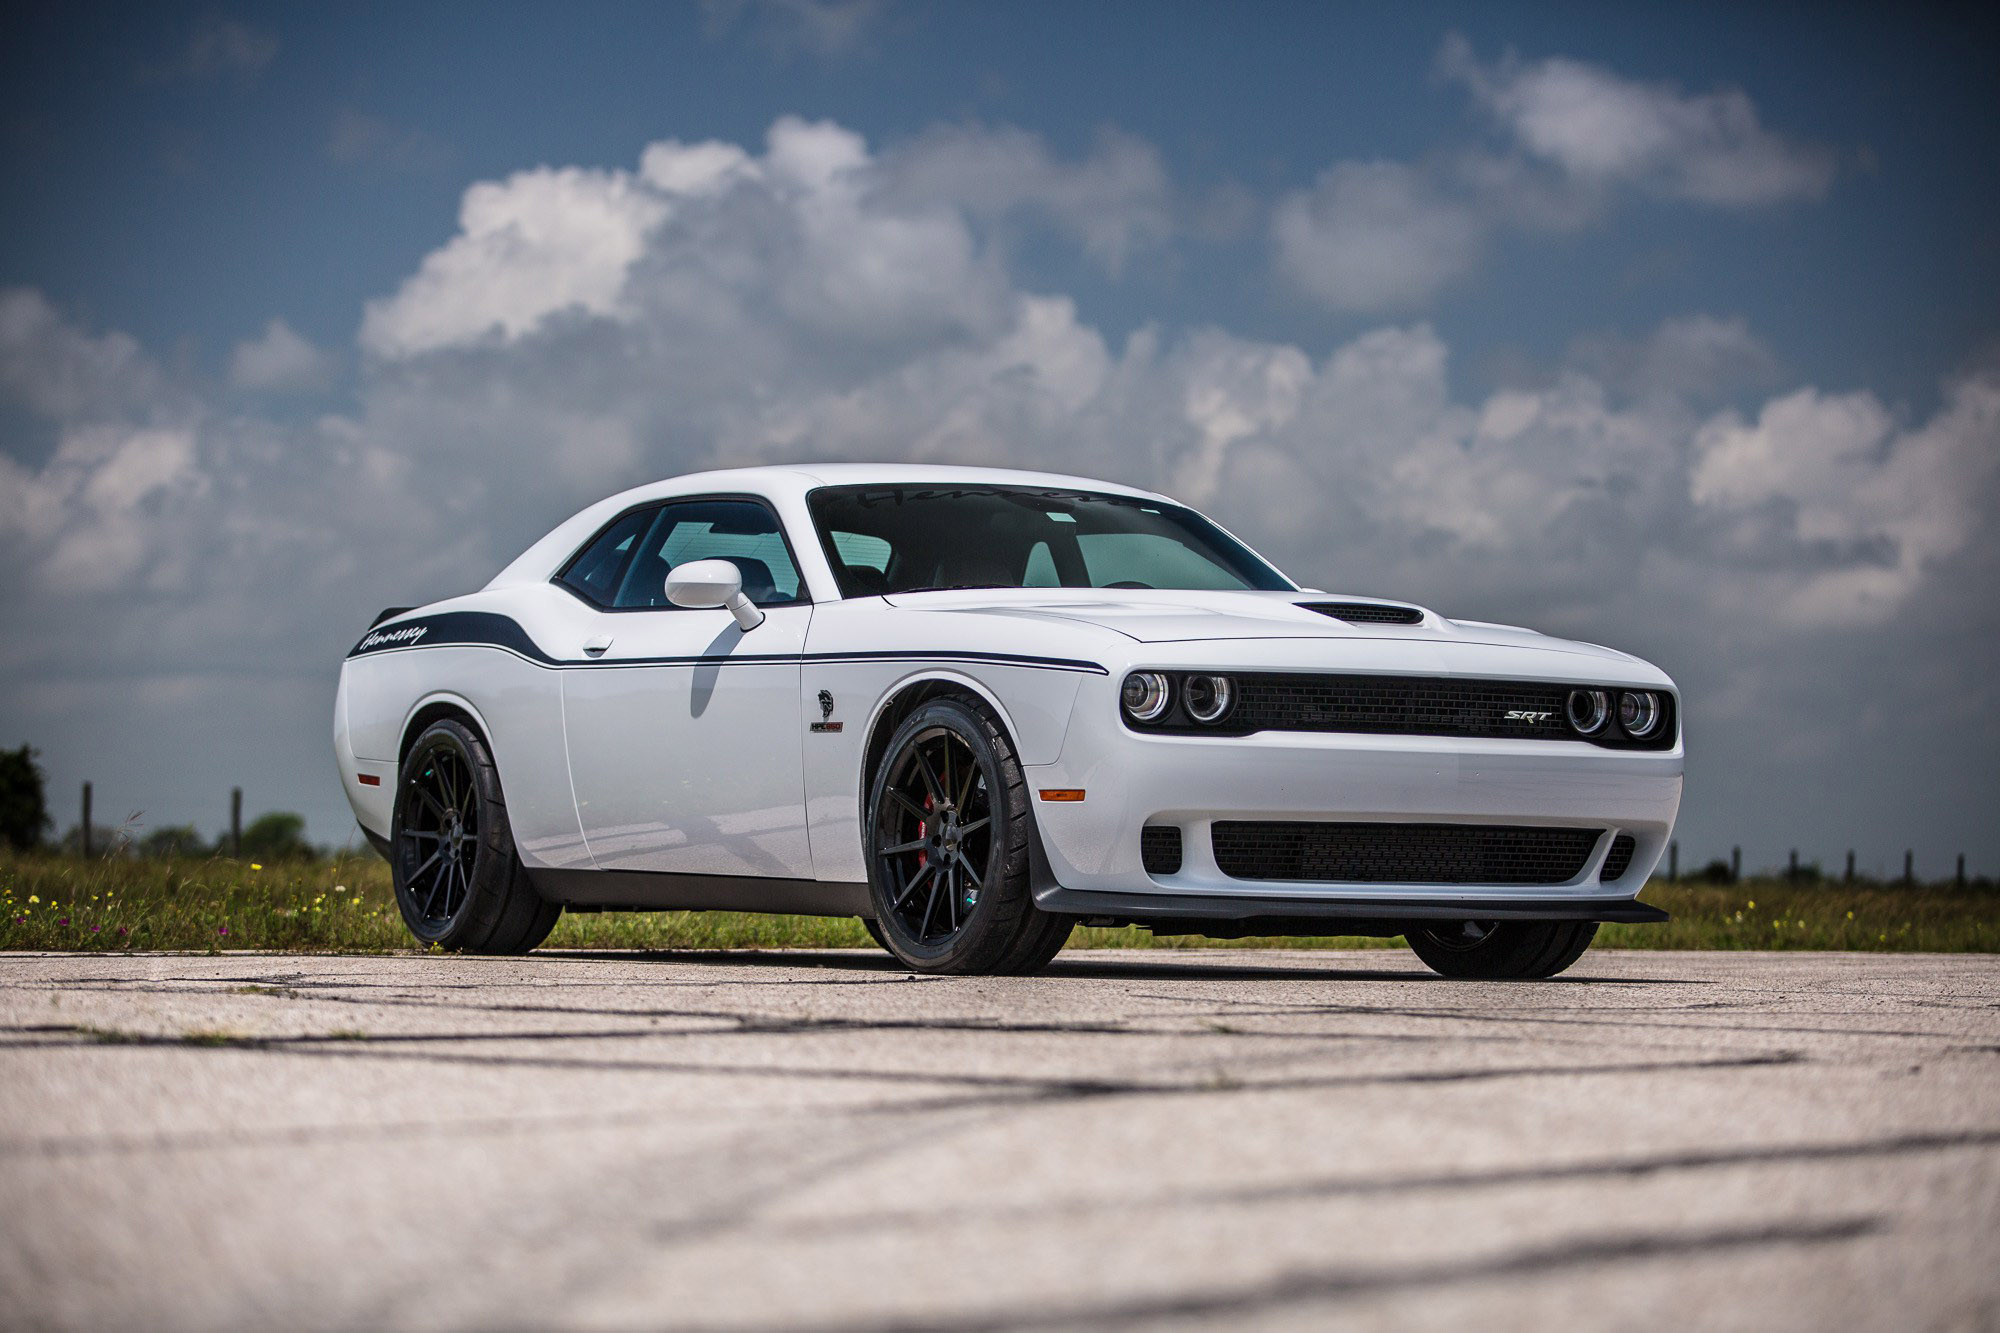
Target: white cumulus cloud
{"type": "Point", "coordinates": [1373, 236]}
{"type": "Point", "coordinates": [534, 245]}
{"type": "Point", "coordinates": [1832, 476]}
{"type": "Point", "coordinates": [1598, 126]}
{"type": "Point", "coordinates": [1382, 236]}
{"type": "Point", "coordinates": [280, 361]}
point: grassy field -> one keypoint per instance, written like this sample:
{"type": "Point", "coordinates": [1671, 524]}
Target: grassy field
{"type": "Point", "coordinates": [346, 905]}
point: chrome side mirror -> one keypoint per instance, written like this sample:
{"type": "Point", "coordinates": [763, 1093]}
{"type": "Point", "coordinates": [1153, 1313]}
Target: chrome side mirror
{"type": "Point", "coordinates": [710, 583]}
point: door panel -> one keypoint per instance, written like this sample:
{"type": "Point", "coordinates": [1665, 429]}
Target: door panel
{"type": "Point", "coordinates": [683, 729]}
{"type": "Point", "coordinates": [690, 765]}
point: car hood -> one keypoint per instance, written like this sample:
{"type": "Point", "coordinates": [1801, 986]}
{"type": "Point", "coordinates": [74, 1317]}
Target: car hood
{"type": "Point", "coordinates": [1149, 616]}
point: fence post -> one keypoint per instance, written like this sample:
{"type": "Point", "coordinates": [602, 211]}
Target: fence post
{"type": "Point", "coordinates": [1961, 870]}
{"type": "Point", "coordinates": [1792, 866]}
{"type": "Point", "coordinates": [236, 821]}
{"type": "Point", "coordinates": [1673, 861]}
{"type": "Point", "coordinates": [1735, 864]}
{"type": "Point", "coordinates": [1909, 867]}
{"type": "Point", "coordinates": [86, 821]}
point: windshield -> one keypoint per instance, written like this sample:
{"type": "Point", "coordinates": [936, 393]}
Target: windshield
{"type": "Point", "coordinates": [884, 539]}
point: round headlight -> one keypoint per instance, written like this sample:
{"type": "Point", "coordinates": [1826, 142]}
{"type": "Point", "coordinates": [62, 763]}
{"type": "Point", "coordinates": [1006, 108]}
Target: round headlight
{"type": "Point", "coordinates": [1208, 698]}
{"type": "Point", "coordinates": [1589, 710]}
{"type": "Point", "coordinates": [1146, 695]}
{"type": "Point", "coordinates": [1639, 713]}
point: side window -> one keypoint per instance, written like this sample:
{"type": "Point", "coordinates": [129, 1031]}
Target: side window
{"type": "Point", "coordinates": [596, 571]}
{"type": "Point", "coordinates": [743, 532]}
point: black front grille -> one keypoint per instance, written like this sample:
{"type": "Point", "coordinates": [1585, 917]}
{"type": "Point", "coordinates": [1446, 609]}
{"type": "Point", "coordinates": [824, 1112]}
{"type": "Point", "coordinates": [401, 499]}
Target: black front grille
{"type": "Point", "coordinates": [1160, 849]}
{"type": "Point", "coordinates": [1373, 613]}
{"type": "Point", "coordinates": [1619, 859]}
{"type": "Point", "coordinates": [1405, 706]}
{"type": "Point", "coordinates": [1401, 853]}
{"type": "Point", "coordinates": [1399, 706]}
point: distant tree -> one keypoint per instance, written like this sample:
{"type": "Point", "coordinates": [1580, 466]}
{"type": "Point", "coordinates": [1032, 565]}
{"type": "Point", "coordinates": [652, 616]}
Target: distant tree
{"type": "Point", "coordinates": [277, 836]}
{"type": "Point", "coordinates": [105, 840]}
{"type": "Point", "coordinates": [1715, 872]}
{"type": "Point", "coordinates": [24, 805]}
{"type": "Point", "coordinates": [174, 840]}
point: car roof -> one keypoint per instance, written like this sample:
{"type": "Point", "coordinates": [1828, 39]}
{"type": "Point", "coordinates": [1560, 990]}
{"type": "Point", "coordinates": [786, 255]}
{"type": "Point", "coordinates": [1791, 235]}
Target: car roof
{"type": "Point", "coordinates": [802, 477]}
{"type": "Point", "coordinates": [785, 485]}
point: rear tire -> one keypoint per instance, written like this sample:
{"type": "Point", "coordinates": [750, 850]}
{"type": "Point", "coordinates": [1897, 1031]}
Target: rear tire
{"type": "Point", "coordinates": [947, 848]}
{"type": "Point", "coordinates": [1501, 950]}
{"type": "Point", "coordinates": [459, 881]}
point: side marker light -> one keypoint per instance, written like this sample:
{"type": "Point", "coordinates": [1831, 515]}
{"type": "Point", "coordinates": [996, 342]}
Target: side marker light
{"type": "Point", "coordinates": [369, 779]}
{"type": "Point", "coordinates": [1061, 793]}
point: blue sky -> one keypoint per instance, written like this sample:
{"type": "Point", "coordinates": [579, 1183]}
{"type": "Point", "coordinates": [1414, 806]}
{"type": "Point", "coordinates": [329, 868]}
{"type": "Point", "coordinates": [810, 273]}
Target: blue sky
{"type": "Point", "coordinates": [1736, 267]}
{"type": "Point", "coordinates": [208, 203]}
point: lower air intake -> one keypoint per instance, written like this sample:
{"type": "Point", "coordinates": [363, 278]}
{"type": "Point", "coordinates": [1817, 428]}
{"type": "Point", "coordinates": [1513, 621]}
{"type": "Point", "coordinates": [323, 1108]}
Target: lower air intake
{"type": "Point", "coordinates": [1160, 849]}
{"type": "Point", "coordinates": [1402, 853]}
{"type": "Point", "coordinates": [1619, 859]}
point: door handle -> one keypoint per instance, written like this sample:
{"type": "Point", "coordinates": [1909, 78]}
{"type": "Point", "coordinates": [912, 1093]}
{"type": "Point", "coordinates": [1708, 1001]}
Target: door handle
{"type": "Point", "coordinates": [595, 645]}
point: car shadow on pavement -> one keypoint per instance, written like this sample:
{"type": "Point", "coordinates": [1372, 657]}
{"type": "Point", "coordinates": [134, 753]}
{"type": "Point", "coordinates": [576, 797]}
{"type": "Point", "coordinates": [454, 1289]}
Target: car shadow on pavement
{"type": "Point", "coordinates": [1174, 966]}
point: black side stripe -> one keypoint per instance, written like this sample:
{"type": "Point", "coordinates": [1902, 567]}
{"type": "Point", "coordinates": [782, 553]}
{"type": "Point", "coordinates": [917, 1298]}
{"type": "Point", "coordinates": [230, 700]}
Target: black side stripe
{"type": "Point", "coordinates": [486, 629]}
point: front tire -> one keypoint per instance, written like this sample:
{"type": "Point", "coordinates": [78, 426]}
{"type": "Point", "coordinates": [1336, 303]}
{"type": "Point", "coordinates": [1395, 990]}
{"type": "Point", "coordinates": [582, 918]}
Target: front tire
{"type": "Point", "coordinates": [1501, 950]}
{"type": "Point", "coordinates": [459, 881]}
{"type": "Point", "coordinates": [947, 843]}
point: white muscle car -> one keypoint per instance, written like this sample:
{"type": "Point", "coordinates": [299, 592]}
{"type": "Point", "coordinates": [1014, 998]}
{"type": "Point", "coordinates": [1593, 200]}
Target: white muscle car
{"type": "Point", "coordinates": [975, 707]}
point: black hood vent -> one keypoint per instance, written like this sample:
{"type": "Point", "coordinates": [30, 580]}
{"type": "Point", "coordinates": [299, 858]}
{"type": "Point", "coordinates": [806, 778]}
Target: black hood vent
{"type": "Point", "coordinates": [1367, 613]}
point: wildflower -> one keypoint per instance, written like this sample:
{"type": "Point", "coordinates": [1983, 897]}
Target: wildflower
{"type": "Point", "coordinates": [34, 897]}
{"type": "Point", "coordinates": [1753, 904]}
{"type": "Point", "coordinates": [255, 866]}
{"type": "Point", "coordinates": [64, 921]}
{"type": "Point", "coordinates": [1850, 916]}
{"type": "Point", "coordinates": [95, 929]}
{"type": "Point", "coordinates": [222, 930]}
{"type": "Point", "coordinates": [123, 931]}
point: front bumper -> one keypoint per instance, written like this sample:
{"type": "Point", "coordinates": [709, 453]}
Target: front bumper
{"type": "Point", "coordinates": [1236, 915]}
{"type": "Point", "coordinates": [1132, 780]}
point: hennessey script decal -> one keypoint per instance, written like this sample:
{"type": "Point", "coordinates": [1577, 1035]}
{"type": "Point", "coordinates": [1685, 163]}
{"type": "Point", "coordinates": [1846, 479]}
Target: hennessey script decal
{"type": "Point", "coordinates": [405, 636]}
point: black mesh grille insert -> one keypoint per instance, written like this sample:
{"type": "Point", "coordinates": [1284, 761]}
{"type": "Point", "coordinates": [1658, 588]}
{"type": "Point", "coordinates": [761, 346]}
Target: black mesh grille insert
{"type": "Point", "coordinates": [1399, 706]}
{"type": "Point", "coordinates": [1619, 859]}
{"type": "Point", "coordinates": [1160, 849]}
{"type": "Point", "coordinates": [1367, 612]}
{"type": "Point", "coordinates": [1402, 853]}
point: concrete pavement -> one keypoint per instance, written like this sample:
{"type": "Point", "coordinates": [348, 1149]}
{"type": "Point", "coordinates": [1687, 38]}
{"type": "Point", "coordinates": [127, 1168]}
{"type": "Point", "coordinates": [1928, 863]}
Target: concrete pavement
{"type": "Point", "coordinates": [1133, 1139]}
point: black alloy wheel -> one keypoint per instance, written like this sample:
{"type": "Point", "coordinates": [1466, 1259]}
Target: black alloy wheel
{"type": "Point", "coordinates": [948, 830]}
{"type": "Point", "coordinates": [1501, 950]}
{"type": "Point", "coordinates": [934, 834]}
{"type": "Point", "coordinates": [459, 881]}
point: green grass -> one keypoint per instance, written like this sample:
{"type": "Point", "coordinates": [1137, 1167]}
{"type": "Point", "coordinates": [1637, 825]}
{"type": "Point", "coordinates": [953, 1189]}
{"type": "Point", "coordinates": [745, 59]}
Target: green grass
{"type": "Point", "coordinates": [346, 906]}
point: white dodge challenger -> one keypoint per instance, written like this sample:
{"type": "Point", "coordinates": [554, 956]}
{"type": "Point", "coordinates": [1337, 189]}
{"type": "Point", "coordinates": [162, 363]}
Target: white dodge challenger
{"type": "Point", "coordinates": [975, 707]}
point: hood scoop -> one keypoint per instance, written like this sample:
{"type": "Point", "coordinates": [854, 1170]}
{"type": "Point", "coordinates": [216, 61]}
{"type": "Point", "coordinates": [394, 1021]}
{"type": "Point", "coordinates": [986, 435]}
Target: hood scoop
{"type": "Point", "coordinates": [1366, 613]}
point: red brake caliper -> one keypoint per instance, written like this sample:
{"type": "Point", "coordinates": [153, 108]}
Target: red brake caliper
{"type": "Point", "coordinates": [923, 831]}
